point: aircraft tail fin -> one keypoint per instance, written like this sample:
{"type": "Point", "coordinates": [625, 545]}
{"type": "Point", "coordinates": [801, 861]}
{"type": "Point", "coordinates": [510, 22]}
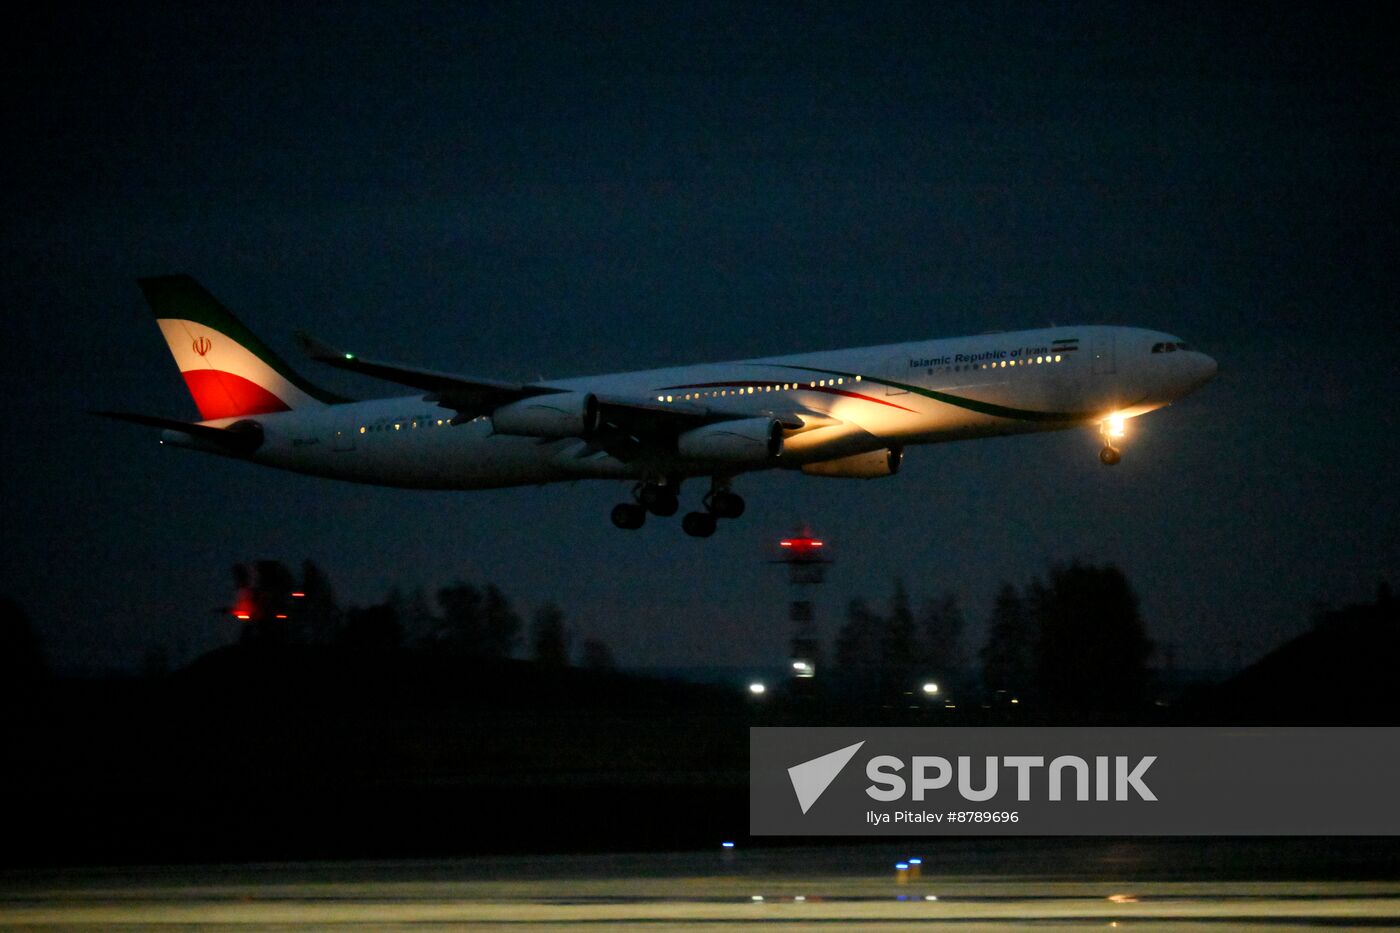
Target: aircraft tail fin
{"type": "Point", "coordinates": [229, 371]}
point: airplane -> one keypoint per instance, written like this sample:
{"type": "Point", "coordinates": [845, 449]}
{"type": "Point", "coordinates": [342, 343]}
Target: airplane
{"type": "Point", "coordinates": [840, 413]}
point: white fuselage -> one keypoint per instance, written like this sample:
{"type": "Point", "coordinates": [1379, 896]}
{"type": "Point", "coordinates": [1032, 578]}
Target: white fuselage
{"type": "Point", "coordinates": [848, 401]}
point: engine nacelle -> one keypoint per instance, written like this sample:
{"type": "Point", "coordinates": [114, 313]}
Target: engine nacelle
{"type": "Point", "coordinates": [870, 465]}
{"type": "Point", "coordinates": [559, 414]}
{"type": "Point", "coordinates": [746, 441]}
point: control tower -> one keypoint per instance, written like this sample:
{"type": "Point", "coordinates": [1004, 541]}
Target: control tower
{"type": "Point", "coordinates": [806, 557]}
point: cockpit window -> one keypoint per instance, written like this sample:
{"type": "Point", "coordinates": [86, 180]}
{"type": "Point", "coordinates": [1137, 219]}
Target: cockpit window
{"type": "Point", "coordinates": [1169, 347]}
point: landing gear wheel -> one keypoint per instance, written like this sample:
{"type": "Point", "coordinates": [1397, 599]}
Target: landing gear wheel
{"type": "Point", "coordinates": [698, 524]}
{"type": "Point", "coordinates": [725, 504]}
{"type": "Point", "coordinates": [628, 515]}
{"type": "Point", "coordinates": [1110, 455]}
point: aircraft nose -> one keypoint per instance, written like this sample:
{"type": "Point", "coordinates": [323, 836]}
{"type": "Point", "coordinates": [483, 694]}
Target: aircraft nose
{"type": "Point", "coordinates": [1205, 369]}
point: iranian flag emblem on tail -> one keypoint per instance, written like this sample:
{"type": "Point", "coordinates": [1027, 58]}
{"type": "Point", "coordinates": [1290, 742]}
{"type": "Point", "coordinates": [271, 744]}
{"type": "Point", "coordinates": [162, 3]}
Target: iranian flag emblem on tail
{"type": "Point", "coordinates": [229, 371]}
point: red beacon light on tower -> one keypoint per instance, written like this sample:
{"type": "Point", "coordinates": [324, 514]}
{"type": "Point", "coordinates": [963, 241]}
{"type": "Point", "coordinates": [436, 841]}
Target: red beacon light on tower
{"type": "Point", "coordinates": [800, 547]}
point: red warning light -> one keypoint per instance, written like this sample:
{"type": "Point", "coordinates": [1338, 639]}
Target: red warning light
{"type": "Point", "coordinates": [298, 595]}
{"type": "Point", "coordinates": [245, 604]}
{"type": "Point", "coordinates": [804, 553]}
{"type": "Point", "coordinates": [281, 615]}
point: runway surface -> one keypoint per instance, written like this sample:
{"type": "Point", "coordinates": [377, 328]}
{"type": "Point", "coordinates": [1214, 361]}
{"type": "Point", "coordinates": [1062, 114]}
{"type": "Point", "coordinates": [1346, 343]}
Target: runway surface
{"type": "Point", "coordinates": [1196, 885]}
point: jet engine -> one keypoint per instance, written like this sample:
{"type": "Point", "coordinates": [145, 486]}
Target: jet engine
{"type": "Point", "coordinates": [744, 441]}
{"type": "Point", "coordinates": [556, 415]}
{"type": "Point", "coordinates": [870, 465]}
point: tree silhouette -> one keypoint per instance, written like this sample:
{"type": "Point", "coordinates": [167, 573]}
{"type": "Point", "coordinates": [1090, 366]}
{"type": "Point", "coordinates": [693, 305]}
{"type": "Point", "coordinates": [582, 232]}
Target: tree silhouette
{"type": "Point", "coordinates": [877, 652]}
{"type": "Point", "coordinates": [940, 634]}
{"type": "Point", "coordinates": [595, 655]}
{"type": "Point", "coordinates": [415, 614]}
{"type": "Point", "coordinates": [459, 622]}
{"type": "Point", "coordinates": [373, 630]}
{"type": "Point", "coordinates": [857, 643]}
{"type": "Point", "coordinates": [21, 660]}
{"type": "Point", "coordinates": [476, 623]}
{"type": "Point", "coordinates": [1091, 656]}
{"type": "Point", "coordinates": [1010, 654]}
{"type": "Point", "coordinates": [502, 625]}
{"type": "Point", "coordinates": [550, 637]}
{"type": "Point", "coordinates": [897, 642]}
{"type": "Point", "coordinates": [316, 614]}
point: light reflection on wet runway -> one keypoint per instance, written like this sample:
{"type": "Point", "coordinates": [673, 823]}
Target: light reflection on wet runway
{"type": "Point", "coordinates": [792, 888]}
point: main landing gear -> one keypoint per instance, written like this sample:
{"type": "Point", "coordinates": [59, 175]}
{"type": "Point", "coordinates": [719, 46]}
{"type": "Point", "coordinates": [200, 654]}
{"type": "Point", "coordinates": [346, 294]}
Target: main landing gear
{"type": "Point", "coordinates": [661, 500]}
{"type": "Point", "coordinates": [719, 503]}
{"type": "Point", "coordinates": [628, 515]}
{"type": "Point", "coordinates": [699, 524]}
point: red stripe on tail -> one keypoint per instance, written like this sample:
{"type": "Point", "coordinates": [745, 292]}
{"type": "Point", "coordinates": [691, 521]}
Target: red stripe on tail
{"type": "Point", "coordinates": [224, 395]}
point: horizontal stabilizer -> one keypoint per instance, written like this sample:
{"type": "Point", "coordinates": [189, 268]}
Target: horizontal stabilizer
{"type": "Point", "coordinates": [241, 438]}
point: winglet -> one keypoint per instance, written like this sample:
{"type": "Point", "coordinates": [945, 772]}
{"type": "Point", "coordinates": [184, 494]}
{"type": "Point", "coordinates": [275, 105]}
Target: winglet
{"type": "Point", "coordinates": [319, 350]}
{"type": "Point", "coordinates": [468, 397]}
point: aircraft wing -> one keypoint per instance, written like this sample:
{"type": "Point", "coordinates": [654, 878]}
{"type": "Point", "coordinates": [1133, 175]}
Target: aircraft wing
{"type": "Point", "coordinates": [467, 397]}
{"type": "Point", "coordinates": [629, 427]}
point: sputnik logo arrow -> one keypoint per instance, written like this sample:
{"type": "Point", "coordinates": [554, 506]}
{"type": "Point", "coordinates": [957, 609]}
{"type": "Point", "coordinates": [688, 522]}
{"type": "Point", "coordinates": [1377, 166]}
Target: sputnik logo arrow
{"type": "Point", "coordinates": [811, 778]}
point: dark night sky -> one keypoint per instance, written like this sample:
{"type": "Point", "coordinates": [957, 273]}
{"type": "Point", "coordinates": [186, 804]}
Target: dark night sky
{"type": "Point", "coordinates": [515, 190]}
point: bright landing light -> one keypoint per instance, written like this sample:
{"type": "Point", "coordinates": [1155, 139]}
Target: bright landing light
{"type": "Point", "coordinates": [1115, 425]}
{"type": "Point", "coordinates": [930, 688]}
{"type": "Point", "coordinates": [757, 689]}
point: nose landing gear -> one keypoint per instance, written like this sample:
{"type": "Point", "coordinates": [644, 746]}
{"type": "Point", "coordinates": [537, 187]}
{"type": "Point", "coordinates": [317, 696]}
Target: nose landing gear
{"type": "Point", "coordinates": [1110, 430]}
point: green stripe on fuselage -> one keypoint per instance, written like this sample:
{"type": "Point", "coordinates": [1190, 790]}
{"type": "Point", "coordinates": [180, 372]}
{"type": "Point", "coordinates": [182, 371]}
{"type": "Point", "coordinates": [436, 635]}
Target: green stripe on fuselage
{"type": "Point", "coordinates": [971, 404]}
